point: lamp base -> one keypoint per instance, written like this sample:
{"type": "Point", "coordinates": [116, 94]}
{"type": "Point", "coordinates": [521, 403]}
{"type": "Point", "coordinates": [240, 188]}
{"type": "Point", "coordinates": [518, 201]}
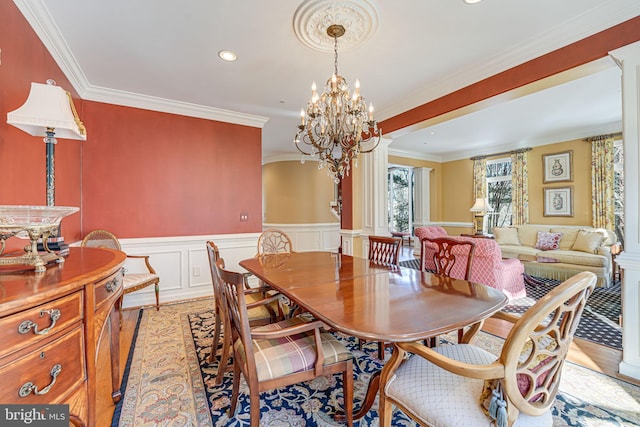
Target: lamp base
{"type": "Point", "coordinates": [478, 224]}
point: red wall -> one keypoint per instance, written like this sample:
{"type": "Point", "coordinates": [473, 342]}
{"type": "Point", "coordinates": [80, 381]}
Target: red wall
{"type": "Point", "coordinates": [22, 157]}
{"type": "Point", "coordinates": [154, 174]}
{"type": "Point", "coordinates": [140, 173]}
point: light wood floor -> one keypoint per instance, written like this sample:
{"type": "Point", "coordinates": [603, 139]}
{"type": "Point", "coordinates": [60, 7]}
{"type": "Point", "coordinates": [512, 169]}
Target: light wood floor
{"type": "Point", "coordinates": [597, 357]}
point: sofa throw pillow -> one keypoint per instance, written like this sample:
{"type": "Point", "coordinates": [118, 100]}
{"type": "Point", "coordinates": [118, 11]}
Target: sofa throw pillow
{"type": "Point", "coordinates": [588, 241]}
{"type": "Point", "coordinates": [548, 241]}
{"type": "Point", "coordinates": [506, 235]}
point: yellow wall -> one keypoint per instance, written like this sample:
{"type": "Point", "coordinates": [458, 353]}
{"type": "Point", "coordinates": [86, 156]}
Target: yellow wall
{"type": "Point", "coordinates": [457, 185]}
{"type": "Point", "coordinates": [581, 183]}
{"type": "Point", "coordinates": [296, 193]}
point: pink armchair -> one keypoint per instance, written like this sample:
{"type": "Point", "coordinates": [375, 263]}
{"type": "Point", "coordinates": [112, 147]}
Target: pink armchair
{"type": "Point", "coordinates": [488, 266]}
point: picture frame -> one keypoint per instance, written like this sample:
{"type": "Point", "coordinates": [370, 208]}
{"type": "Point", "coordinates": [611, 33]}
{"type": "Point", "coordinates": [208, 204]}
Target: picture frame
{"type": "Point", "coordinates": [558, 167]}
{"type": "Point", "coordinates": [558, 201]}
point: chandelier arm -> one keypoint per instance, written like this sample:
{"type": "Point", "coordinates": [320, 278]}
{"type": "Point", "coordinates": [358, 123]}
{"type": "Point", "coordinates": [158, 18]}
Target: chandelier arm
{"type": "Point", "coordinates": [375, 145]}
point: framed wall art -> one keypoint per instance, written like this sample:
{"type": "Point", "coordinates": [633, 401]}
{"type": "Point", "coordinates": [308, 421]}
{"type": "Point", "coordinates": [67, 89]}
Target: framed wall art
{"type": "Point", "coordinates": [558, 201]}
{"type": "Point", "coordinates": [558, 167]}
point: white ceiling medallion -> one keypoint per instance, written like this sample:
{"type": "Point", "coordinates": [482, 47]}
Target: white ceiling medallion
{"type": "Point", "coordinates": [313, 17]}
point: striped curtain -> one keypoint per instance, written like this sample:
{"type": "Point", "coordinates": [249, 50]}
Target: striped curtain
{"type": "Point", "coordinates": [519, 188]}
{"type": "Point", "coordinates": [479, 178]}
{"type": "Point", "coordinates": [602, 182]}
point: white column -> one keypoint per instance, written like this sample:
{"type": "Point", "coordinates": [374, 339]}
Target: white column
{"type": "Point", "coordinates": [422, 207]}
{"type": "Point", "coordinates": [628, 58]}
{"type": "Point", "coordinates": [375, 192]}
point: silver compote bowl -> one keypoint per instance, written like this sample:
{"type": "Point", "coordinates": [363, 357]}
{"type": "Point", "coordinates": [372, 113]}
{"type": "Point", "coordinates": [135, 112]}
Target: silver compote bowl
{"type": "Point", "coordinates": [34, 223]}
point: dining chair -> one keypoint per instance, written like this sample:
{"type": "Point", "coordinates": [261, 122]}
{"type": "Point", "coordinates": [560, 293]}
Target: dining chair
{"type": "Point", "coordinates": [262, 305]}
{"type": "Point", "coordinates": [385, 251]}
{"type": "Point", "coordinates": [131, 281]}
{"type": "Point", "coordinates": [452, 258]}
{"type": "Point", "coordinates": [279, 354]}
{"type": "Point", "coordinates": [273, 241]}
{"type": "Point", "coordinates": [480, 388]}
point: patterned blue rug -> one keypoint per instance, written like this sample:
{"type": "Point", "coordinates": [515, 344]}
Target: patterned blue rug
{"type": "Point", "coordinates": [605, 402]}
{"type": "Point", "coordinates": [599, 321]}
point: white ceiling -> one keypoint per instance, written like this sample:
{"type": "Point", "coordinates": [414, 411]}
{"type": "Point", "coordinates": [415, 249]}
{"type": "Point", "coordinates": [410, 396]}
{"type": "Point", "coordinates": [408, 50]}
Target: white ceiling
{"type": "Point", "coordinates": [162, 55]}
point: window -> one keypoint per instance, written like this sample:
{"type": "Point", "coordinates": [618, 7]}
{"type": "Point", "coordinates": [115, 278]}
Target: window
{"type": "Point", "coordinates": [618, 189]}
{"type": "Point", "coordinates": [400, 209]}
{"type": "Point", "coordinates": [499, 192]}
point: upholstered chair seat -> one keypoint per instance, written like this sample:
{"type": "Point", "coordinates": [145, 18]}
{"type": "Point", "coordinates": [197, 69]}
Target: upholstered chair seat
{"type": "Point", "coordinates": [438, 397]}
{"type": "Point", "coordinates": [464, 385]}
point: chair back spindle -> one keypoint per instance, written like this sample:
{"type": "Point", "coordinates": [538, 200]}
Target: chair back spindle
{"type": "Point", "coordinates": [384, 250]}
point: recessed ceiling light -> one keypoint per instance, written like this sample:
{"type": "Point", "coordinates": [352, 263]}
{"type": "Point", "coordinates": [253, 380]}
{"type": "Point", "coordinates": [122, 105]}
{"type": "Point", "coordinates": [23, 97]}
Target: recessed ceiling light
{"type": "Point", "coordinates": [472, 1]}
{"type": "Point", "coordinates": [227, 55]}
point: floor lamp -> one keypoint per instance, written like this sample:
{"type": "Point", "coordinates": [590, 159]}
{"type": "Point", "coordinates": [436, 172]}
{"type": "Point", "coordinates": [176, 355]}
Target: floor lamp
{"type": "Point", "coordinates": [49, 112]}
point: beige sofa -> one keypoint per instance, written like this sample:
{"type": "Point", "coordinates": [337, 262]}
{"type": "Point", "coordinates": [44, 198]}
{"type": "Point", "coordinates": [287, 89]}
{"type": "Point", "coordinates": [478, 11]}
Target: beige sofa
{"type": "Point", "coordinates": [579, 248]}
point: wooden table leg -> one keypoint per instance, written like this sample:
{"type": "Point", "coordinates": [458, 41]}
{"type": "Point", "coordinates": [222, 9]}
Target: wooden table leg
{"type": "Point", "coordinates": [369, 398]}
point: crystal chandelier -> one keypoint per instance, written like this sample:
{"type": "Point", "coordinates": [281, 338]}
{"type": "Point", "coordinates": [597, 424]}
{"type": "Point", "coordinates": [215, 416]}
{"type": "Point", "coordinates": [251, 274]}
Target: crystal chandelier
{"type": "Point", "coordinates": [336, 124]}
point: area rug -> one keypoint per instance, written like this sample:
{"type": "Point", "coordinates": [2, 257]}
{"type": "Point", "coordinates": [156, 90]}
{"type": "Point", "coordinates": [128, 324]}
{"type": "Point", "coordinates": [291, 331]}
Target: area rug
{"type": "Point", "coordinates": [171, 383]}
{"type": "Point", "coordinates": [599, 322]}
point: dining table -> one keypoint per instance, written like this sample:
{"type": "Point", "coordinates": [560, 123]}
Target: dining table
{"type": "Point", "coordinates": [387, 303]}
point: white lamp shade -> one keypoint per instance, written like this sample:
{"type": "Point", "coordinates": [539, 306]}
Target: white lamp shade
{"type": "Point", "coordinates": [48, 106]}
{"type": "Point", "coordinates": [481, 205]}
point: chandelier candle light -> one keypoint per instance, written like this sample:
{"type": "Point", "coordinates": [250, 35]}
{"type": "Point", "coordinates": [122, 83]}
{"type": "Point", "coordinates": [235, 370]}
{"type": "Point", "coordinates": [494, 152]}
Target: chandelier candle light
{"type": "Point", "coordinates": [337, 125]}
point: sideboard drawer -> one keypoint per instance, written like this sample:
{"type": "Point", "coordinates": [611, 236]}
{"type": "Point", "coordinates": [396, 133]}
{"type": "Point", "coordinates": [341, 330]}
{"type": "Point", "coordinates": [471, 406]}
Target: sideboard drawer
{"type": "Point", "coordinates": [107, 288]}
{"type": "Point", "coordinates": [29, 326]}
{"type": "Point", "coordinates": [47, 374]}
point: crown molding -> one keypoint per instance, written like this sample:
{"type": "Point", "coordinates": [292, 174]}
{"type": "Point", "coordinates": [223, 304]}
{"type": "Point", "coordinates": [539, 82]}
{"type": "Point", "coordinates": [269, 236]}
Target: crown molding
{"type": "Point", "coordinates": [145, 102]}
{"type": "Point", "coordinates": [38, 16]}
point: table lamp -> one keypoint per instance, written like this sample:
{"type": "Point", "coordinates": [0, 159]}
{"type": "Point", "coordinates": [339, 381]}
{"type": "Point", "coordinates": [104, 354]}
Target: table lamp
{"type": "Point", "coordinates": [480, 208]}
{"type": "Point", "coordinates": [49, 112]}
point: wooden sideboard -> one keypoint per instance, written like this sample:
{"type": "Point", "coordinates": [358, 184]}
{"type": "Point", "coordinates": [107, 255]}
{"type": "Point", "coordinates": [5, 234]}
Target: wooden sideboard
{"type": "Point", "coordinates": [51, 325]}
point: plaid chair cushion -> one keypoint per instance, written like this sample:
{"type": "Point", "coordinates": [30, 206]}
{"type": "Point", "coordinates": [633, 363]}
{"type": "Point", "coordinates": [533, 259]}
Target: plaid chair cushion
{"type": "Point", "coordinates": [282, 356]}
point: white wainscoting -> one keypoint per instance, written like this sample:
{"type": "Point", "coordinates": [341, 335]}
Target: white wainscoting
{"type": "Point", "coordinates": [311, 237]}
{"type": "Point", "coordinates": [183, 265]}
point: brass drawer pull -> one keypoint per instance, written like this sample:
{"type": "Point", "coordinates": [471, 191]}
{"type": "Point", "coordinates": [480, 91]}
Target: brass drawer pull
{"type": "Point", "coordinates": [113, 284]}
{"type": "Point", "coordinates": [29, 387]}
{"type": "Point", "coordinates": [27, 325]}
